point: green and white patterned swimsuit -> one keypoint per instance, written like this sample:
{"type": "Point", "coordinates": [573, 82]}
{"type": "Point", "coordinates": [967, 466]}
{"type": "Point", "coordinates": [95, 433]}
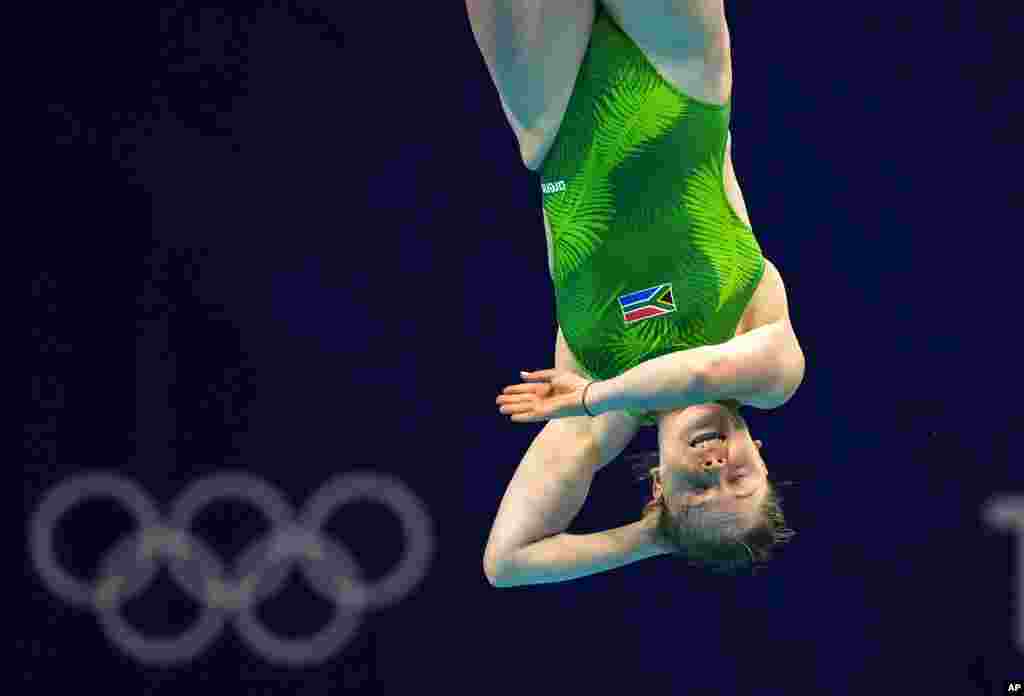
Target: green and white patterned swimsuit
{"type": "Point", "coordinates": [648, 255]}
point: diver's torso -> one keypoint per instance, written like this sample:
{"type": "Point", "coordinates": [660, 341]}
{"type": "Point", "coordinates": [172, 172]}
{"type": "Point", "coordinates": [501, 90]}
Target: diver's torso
{"type": "Point", "coordinates": [746, 322]}
{"type": "Point", "coordinates": [648, 255]}
{"type": "Point", "coordinates": [699, 66]}
{"type": "Point", "coordinates": [690, 52]}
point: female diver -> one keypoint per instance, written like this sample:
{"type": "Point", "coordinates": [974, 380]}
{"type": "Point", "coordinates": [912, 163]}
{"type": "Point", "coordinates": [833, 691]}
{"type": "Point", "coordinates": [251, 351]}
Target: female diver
{"type": "Point", "coordinates": [668, 313]}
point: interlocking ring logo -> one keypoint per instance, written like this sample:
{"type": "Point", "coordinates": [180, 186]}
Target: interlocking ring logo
{"type": "Point", "coordinates": [130, 565]}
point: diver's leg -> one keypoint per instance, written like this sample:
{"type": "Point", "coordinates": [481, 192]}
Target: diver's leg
{"type": "Point", "coordinates": [533, 50]}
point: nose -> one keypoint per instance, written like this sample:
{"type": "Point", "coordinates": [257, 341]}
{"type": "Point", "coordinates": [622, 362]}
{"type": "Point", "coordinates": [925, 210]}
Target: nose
{"type": "Point", "coordinates": [712, 455]}
{"type": "Point", "coordinates": [713, 462]}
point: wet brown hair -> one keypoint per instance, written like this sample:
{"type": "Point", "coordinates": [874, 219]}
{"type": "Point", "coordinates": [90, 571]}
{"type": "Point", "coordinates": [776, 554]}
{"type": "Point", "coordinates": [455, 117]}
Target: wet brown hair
{"type": "Point", "coordinates": [721, 556]}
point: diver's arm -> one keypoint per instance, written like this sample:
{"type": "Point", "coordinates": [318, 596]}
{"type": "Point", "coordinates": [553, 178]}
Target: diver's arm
{"type": "Point", "coordinates": [528, 543]}
{"type": "Point", "coordinates": [566, 556]}
{"type": "Point", "coordinates": [668, 382]}
{"type": "Point", "coordinates": [545, 493]}
{"type": "Point", "coordinates": [762, 368]}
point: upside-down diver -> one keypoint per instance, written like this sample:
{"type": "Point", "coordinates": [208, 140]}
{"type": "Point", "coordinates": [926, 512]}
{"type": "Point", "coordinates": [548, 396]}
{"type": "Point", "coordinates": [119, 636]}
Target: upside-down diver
{"type": "Point", "coordinates": [669, 314]}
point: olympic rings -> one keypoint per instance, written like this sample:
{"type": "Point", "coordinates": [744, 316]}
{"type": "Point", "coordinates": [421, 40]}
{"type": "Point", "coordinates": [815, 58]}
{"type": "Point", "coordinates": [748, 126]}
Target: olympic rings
{"type": "Point", "coordinates": [130, 565]}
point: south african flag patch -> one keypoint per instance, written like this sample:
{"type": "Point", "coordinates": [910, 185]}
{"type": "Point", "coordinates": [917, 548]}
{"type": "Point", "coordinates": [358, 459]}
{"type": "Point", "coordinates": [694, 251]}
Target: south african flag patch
{"type": "Point", "coordinates": [644, 304]}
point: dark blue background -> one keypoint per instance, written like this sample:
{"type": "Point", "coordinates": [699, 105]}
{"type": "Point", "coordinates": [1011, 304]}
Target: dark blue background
{"type": "Point", "coordinates": [297, 239]}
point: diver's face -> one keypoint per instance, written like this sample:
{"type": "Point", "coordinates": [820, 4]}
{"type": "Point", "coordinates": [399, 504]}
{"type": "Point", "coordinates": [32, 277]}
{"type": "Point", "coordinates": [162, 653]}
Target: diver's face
{"type": "Point", "coordinates": [710, 470]}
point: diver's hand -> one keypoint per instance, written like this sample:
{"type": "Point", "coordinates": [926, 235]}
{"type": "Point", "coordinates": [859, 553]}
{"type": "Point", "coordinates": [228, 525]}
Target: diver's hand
{"type": "Point", "coordinates": [655, 542]}
{"type": "Point", "coordinates": [545, 395]}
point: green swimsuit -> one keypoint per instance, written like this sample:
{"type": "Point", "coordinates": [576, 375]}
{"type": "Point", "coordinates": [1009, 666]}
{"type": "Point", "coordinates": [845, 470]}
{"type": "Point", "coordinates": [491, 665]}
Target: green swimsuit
{"type": "Point", "coordinates": [648, 255]}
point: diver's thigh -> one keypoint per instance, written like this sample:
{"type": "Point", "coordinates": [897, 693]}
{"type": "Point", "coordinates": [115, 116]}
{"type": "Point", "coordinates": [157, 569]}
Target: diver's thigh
{"type": "Point", "coordinates": [533, 50]}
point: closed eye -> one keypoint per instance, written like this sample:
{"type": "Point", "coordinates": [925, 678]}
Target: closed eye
{"type": "Point", "coordinates": [705, 437]}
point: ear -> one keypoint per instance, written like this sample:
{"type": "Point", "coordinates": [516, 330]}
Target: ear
{"type": "Point", "coordinates": [758, 443]}
{"type": "Point", "coordinates": [656, 489]}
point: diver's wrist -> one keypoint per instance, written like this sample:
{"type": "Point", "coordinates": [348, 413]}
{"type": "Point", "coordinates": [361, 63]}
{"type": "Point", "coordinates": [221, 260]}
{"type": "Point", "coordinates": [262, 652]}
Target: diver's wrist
{"type": "Point", "coordinates": [603, 396]}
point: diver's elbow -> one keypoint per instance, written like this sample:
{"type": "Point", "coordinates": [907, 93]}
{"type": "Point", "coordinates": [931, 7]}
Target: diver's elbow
{"type": "Point", "coordinates": [494, 570]}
